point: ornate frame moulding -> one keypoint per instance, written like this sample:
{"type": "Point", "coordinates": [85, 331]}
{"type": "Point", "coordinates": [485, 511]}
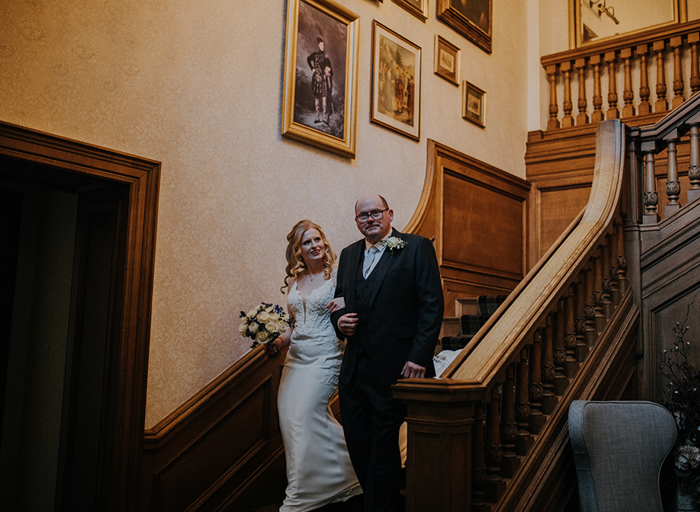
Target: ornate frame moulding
{"type": "Point", "coordinates": [473, 104]}
{"type": "Point", "coordinates": [319, 105]}
{"type": "Point", "coordinates": [446, 60]}
{"type": "Point", "coordinates": [419, 8]}
{"type": "Point", "coordinates": [471, 18]}
{"type": "Point", "coordinates": [396, 82]}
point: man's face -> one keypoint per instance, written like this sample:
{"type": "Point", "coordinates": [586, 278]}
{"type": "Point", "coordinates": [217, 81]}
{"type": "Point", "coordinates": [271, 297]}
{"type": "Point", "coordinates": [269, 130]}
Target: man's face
{"type": "Point", "coordinates": [321, 45]}
{"type": "Point", "coordinates": [373, 229]}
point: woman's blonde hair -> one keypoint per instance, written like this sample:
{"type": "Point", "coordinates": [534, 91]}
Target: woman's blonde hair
{"type": "Point", "coordinates": [295, 262]}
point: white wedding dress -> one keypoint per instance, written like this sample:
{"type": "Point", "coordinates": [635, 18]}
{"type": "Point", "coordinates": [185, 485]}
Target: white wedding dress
{"type": "Point", "coordinates": [318, 465]}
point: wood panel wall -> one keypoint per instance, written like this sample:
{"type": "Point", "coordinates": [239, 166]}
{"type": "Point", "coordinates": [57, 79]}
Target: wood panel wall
{"type": "Point", "coordinates": [221, 448]}
{"type": "Point", "coordinates": [559, 166]}
{"type": "Point", "coordinates": [476, 216]}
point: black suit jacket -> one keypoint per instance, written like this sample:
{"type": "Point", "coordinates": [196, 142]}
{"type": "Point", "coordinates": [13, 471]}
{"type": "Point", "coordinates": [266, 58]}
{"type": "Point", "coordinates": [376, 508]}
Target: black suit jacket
{"type": "Point", "coordinates": [405, 312]}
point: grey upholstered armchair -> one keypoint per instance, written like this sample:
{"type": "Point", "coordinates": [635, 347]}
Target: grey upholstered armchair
{"type": "Point", "coordinates": [619, 448]}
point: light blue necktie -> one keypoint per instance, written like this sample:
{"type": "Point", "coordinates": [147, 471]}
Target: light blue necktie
{"type": "Point", "coordinates": [369, 260]}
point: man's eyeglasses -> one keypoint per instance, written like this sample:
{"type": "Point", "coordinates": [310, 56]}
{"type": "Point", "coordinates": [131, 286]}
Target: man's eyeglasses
{"type": "Point", "coordinates": [375, 214]}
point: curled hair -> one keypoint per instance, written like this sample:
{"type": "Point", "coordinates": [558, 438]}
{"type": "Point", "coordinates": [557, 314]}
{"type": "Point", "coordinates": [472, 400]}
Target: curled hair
{"type": "Point", "coordinates": [295, 262]}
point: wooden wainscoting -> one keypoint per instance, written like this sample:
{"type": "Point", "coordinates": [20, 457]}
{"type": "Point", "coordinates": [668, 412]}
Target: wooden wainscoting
{"type": "Point", "coordinates": [476, 215]}
{"type": "Point", "coordinates": [220, 449]}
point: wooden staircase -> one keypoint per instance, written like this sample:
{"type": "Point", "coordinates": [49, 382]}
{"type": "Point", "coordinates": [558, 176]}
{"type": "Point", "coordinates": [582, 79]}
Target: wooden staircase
{"type": "Point", "coordinates": [491, 433]}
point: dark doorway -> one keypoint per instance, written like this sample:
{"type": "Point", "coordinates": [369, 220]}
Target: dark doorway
{"type": "Point", "coordinates": [74, 321]}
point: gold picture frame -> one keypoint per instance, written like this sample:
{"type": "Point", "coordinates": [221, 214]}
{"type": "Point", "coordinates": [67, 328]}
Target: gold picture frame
{"type": "Point", "coordinates": [319, 105]}
{"type": "Point", "coordinates": [419, 8]}
{"type": "Point", "coordinates": [396, 82]}
{"type": "Point", "coordinates": [471, 18]}
{"type": "Point", "coordinates": [446, 60]}
{"type": "Point", "coordinates": [473, 104]}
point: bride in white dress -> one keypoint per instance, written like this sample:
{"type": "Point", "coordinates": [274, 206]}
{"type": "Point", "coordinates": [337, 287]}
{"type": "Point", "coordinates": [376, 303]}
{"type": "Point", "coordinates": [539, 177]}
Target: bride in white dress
{"type": "Point", "coordinates": [318, 465]}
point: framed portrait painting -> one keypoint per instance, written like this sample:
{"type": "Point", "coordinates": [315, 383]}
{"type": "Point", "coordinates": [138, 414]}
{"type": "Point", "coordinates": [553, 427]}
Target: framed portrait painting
{"type": "Point", "coordinates": [471, 18]}
{"type": "Point", "coordinates": [320, 75]}
{"type": "Point", "coordinates": [474, 104]}
{"type": "Point", "coordinates": [446, 61]}
{"type": "Point", "coordinates": [396, 81]}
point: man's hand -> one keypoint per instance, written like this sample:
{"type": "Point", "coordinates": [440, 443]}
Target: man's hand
{"type": "Point", "coordinates": [413, 371]}
{"type": "Point", "coordinates": [347, 324]}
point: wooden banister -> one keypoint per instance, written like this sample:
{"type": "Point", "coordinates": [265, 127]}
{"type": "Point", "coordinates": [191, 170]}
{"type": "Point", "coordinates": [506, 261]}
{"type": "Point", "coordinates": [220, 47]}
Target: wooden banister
{"type": "Point", "coordinates": [478, 415]}
{"type": "Point", "coordinates": [634, 55]}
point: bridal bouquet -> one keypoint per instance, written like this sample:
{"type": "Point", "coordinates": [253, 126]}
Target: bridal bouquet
{"type": "Point", "coordinates": [264, 323]}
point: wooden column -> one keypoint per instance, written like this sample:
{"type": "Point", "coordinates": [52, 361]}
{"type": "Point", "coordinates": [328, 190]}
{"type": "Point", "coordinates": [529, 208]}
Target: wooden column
{"type": "Point", "coordinates": [597, 115]}
{"type": "Point", "coordinates": [661, 104]}
{"type": "Point", "coordinates": [571, 367]}
{"type": "Point", "coordinates": [589, 309]}
{"type": "Point", "coordinates": [560, 380]}
{"type": "Point", "coordinates": [580, 321]}
{"type": "Point", "coordinates": [537, 420]}
{"type": "Point", "coordinates": [523, 439]}
{"type": "Point", "coordinates": [613, 112]}
{"type": "Point", "coordinates": [478, 463]}
{"type": "Point", "coordinates": [495, 486]}
{"type": "Point", "coordinates": [510, 462]}
{"type": "Point", "coordinates": [552, 73]}
{"type": "Point", "coordinates": [567, 121]}
{"type": "Point", "coordinates": [440, 417]}
{"type": "Point", "coordinates": [599, 318]}
{"type": "Point", "coordinates": [678, 85]}
{"type": "Point", "coordinates": [582, 117]}
{"type": "Point", "coordinates": [673, 186]}
{"type": "Point", "coordinates": [651, 198]}
{"type": "Point", "coordinates": [644, 91]}
{"type": "Point", "coordinates": [693, 40]}
{"type": "Point", "coordinates": [549, 399]}
{"type": "Point", "coordinates": [694, 167]}
{"type": "Point", "coordinates": [627, 93]}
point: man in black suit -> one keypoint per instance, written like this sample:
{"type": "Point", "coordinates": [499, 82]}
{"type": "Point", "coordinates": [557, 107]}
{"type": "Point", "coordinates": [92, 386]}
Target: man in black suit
{"type": "Point", "coordinates": [392, 317]}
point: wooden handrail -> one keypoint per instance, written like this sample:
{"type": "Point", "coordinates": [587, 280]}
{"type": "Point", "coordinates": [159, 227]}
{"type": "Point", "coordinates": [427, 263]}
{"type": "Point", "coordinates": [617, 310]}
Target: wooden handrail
{"type": "Point", "coordinates": [631, 58]}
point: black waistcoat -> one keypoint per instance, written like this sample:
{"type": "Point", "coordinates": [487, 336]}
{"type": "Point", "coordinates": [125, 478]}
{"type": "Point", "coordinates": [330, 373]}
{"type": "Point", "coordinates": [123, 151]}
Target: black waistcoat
{"type": "Point", "coordinates": [364, 291]}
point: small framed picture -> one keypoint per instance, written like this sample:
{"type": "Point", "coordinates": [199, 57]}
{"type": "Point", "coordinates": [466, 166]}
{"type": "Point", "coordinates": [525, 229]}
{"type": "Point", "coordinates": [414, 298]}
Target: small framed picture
{"type": "Point", "coordinates": [471, 18]}
{"type": "Point", "coordinates": [396, 86]}
{"type": "Point", "coordinates": [446, 62]}
{"type": "Point", "coordinates": [419, 8]}
{"type": "Point", "coordinates": [473, 104]}
{"type": "Point", "coordinates": [320, 75]}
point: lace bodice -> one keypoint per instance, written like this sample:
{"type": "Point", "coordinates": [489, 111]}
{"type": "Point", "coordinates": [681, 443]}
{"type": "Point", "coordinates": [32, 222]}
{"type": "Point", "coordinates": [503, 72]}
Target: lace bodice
{"type": "Point", "coordinates": [313, 320]}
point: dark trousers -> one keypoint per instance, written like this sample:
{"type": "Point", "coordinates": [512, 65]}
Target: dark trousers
{"type": "Point", "coordinates": [371, 421]}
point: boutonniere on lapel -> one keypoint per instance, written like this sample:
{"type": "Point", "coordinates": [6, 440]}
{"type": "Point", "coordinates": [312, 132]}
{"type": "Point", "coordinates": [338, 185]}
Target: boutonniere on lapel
{"type": "Point", "coordinates": [394, 243]}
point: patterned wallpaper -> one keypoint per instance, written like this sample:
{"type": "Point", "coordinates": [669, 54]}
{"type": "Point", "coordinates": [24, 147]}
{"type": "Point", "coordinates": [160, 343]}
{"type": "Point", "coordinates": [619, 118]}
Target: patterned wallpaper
{"type": "Point", "coordinates": [197, 85]}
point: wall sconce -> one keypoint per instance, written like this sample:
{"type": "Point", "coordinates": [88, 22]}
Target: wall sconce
{"type": "Point", "coordinates": [602, 8]}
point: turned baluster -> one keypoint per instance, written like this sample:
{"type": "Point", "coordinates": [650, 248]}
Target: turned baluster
{"type": "Point", "coordinates": [535, 391]}
{"type": "Point", "coordinates": [552, 72]}
{"type": "Point", "coordinates": [694, 167]}
{"type": "Point", "coordinates": [599, 317]}
{"type": "Point", "coordinates": [693, 40]}
{"type": "Point", "coordinates": [678, 84]}
{"type": "Point", "coordinates": [607, 304]}
{"type": "Point", "coordinates": [560, 380]}
{"type": "Point", "coordinates": [582, 117]}
{"type": "Point", "coordinates": [661, 104]}
{"type": "Point", "coordinates": [651, 198]}
{"type": "Point", "coordinates": [523, 439]}
{"type": "Point", "coordinates": [597, 115]}
{"type": "Point", "coordinates": [494, 456]}
{"type": "Point", "coordinates": [623, 284]}
{"type": "Point", "coordinates": [613, 112]}
{"type": "Point", "coordinates": [644, 91]}
{"type": "Point", "coordinates": [673, 186]}
{"type": "Point", "coordinates": [567, 121]}
{"type": "Point", "coordinates": [571, 366]}
{"type": "Point", "coordinates": [614, 261]}
{"type": "Point", "coordinates": [478, 462]}
{"type": "Point", "coordinates": [510, 461]}
{"type": "Point", "coordinates": [580, 321]}
{"type": "Point", "coordinates": [627, 92]}
{"type": "Point", "coordinates": [549, 399]}
{"type": "Point", "coordinates": [589, 309]}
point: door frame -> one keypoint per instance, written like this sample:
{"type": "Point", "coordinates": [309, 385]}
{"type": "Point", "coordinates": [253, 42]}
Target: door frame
{"type": "Point", "coordinates": [55, 160]}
